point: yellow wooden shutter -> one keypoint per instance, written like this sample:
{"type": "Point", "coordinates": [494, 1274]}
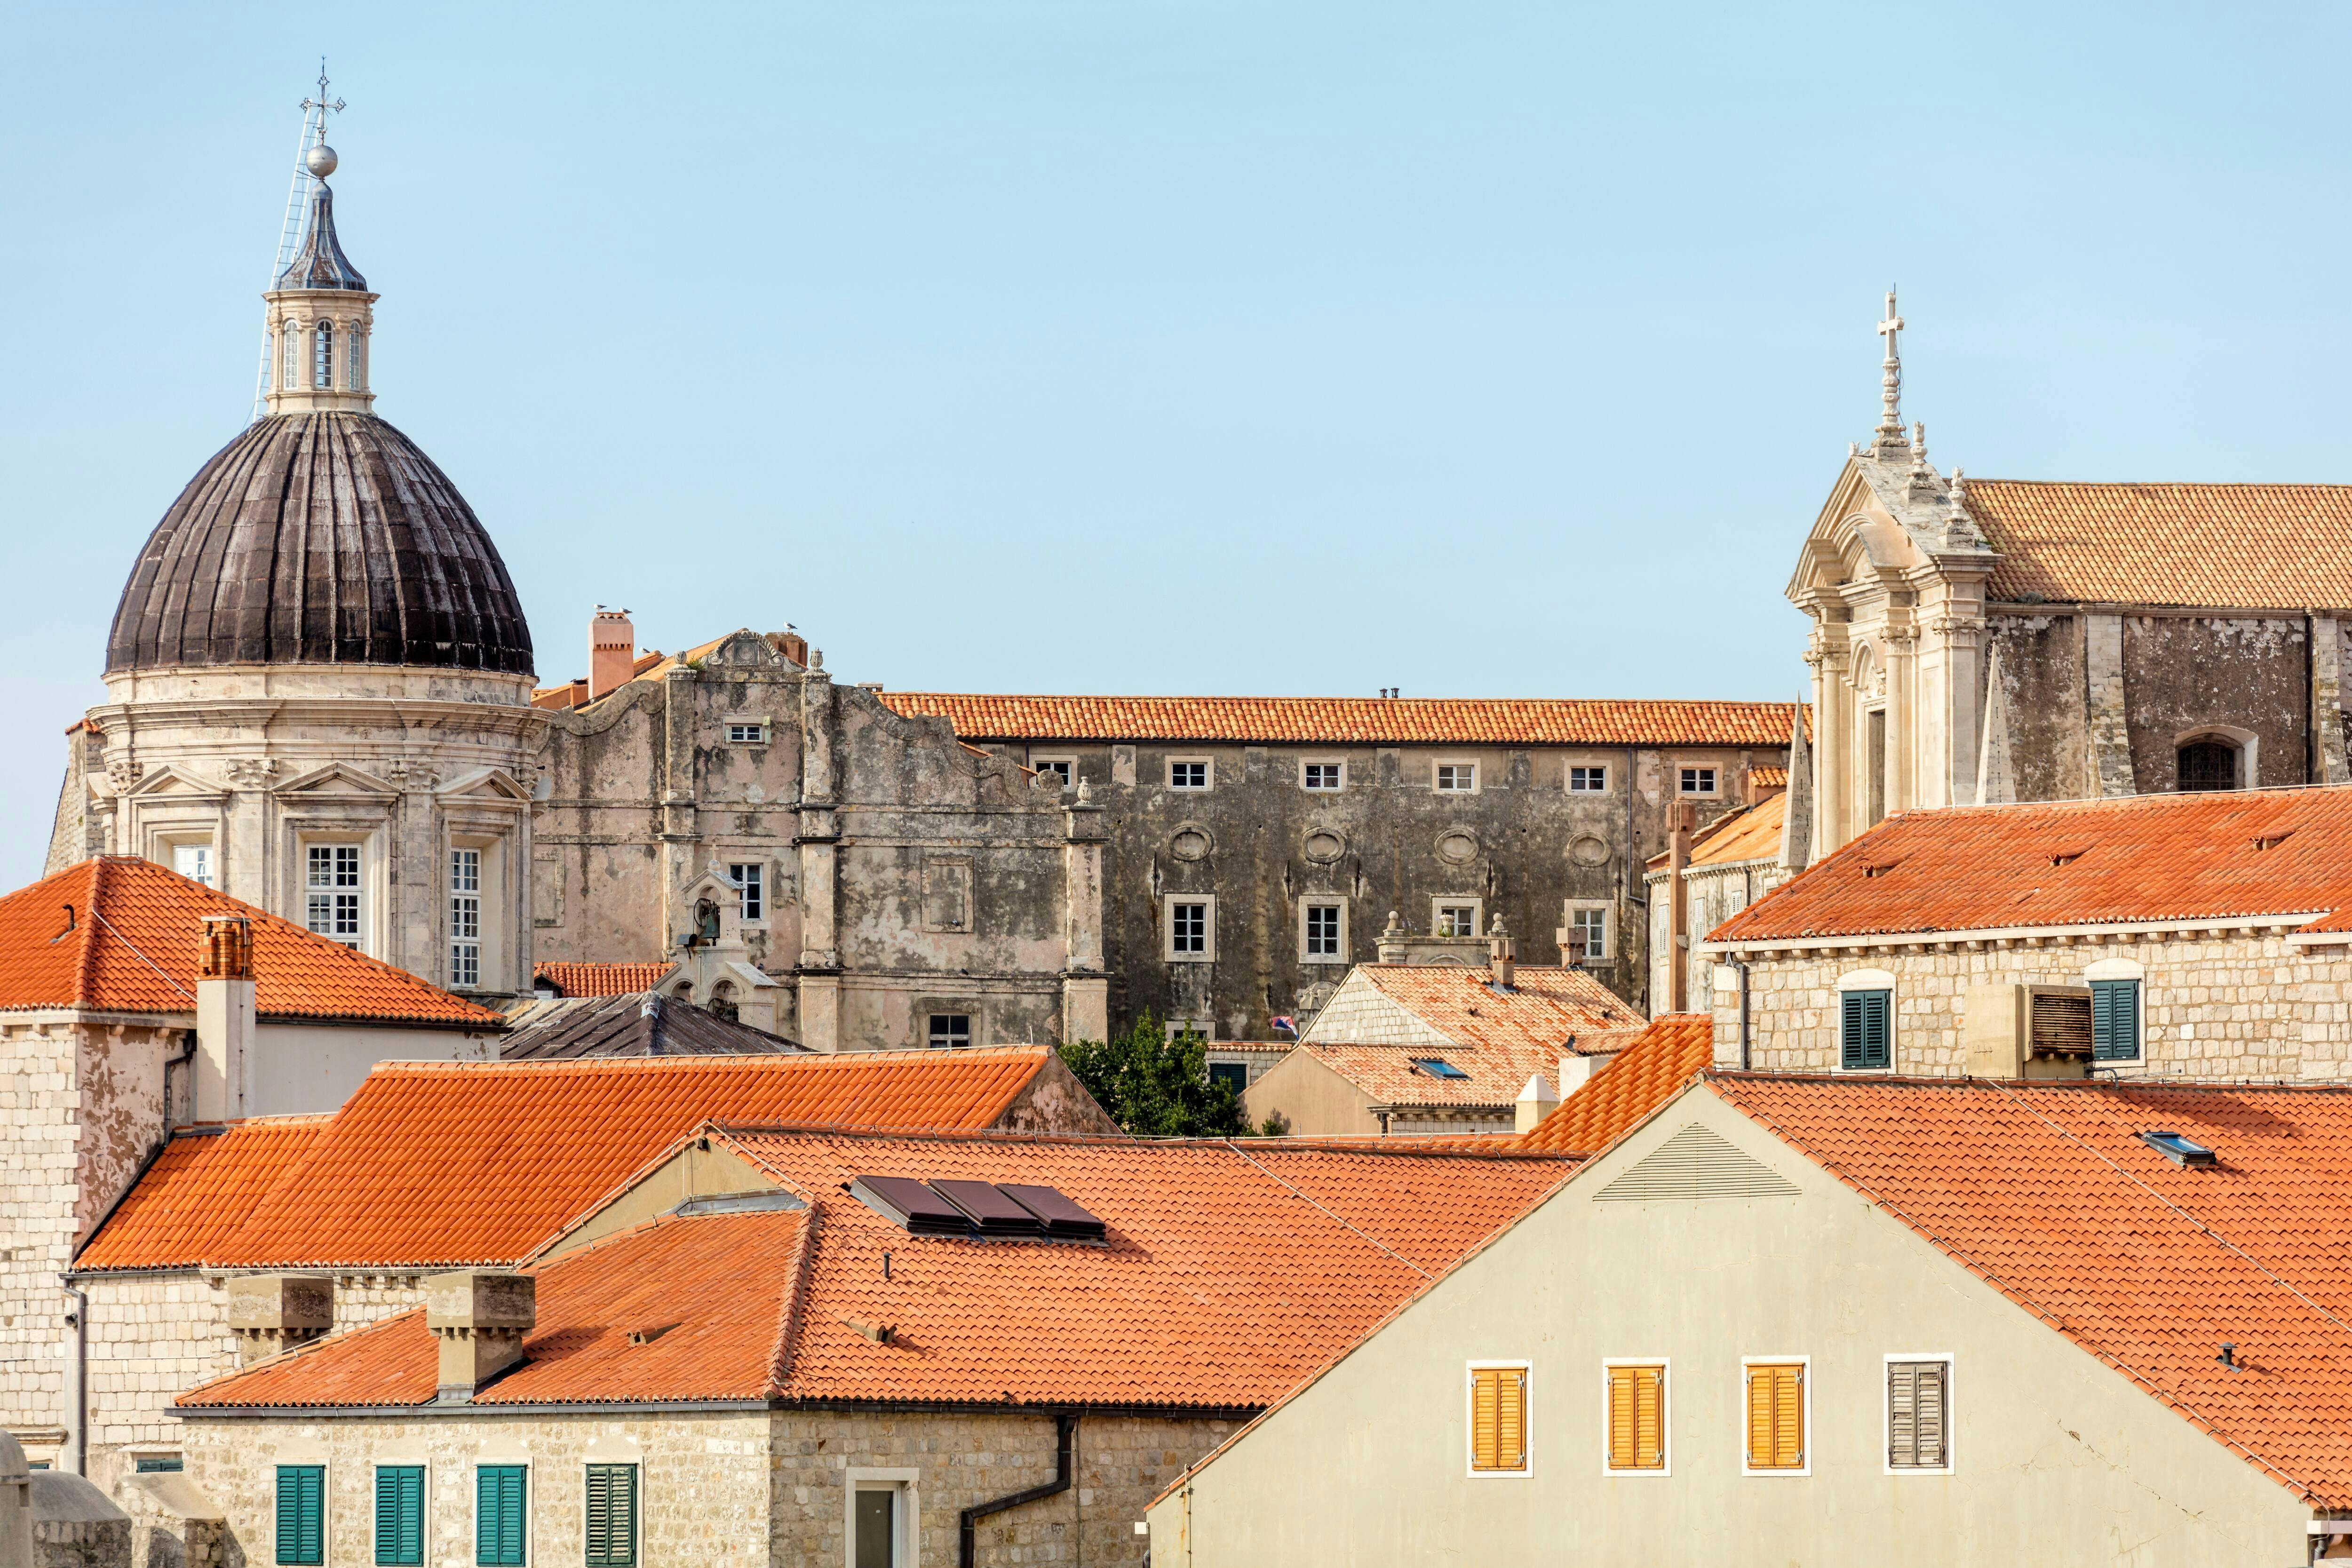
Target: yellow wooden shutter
{"type": "Point", "coordinates": [1483, 1402]}
{"type": "Point", "coordinates": [1637, 1412]}
{"type": "Point", "coordinates": [1776, 1417]}
{"type": "Point", "coordinates": [1498, 1418]}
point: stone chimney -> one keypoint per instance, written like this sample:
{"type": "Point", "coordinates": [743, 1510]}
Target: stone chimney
{"type": "Point", "coordinates": [274, 1312]}
{"type": "Point", "coordinates": [1535, 1102]}
{"type": "Point", "coordinates": [1501, 955]}
{"type": "Point", "coordinates": [612, 651]}
{"type": "Point", "coordinates": [1678, 850]}
{"type": "Point", "coordinates": [224, 1018]}
{"type": "Point", "coordinates": [478, 1318]}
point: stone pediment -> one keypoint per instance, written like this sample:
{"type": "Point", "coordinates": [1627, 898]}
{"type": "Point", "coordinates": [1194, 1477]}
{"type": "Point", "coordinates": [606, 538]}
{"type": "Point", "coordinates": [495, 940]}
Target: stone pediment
{"type": "Point", "coordinates": [745, 649]}
{"type": "Point", "coordinates": [484, 783]}
{"type": "Point", "coordinates": [337, 779]}
{"type": "Point", "coordinates": [1884, 515]}
{"type": "Point", "coordinates": [174, 782]}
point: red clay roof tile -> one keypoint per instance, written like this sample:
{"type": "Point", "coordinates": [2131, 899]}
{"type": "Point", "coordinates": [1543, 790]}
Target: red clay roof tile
{"type": "Point", "coordinates": [604, 979]}
{"type": "Point", "coordinates": [120, 934]}
{"type": "Point", "coordinates": [1674, 1049]}
{"type": "Point", "coordinates": [2258, 546]}
{"type": "Point", "coordinates": [1500, 1039]}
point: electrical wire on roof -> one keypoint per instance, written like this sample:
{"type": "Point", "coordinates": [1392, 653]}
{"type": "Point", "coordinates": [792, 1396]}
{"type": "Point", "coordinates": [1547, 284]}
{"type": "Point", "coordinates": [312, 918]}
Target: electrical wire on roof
{"type": "Point", "coordinates": [1375, 1241]}
{"type": "Point", "coordinates": [134, 948]}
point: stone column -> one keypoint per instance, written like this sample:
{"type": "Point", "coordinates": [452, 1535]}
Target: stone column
{"type": "Point", "coordinates": [818, 837]}
{"type": "Point", "coordinates": [2327, 719]}
{"type": "Point", "coordinates": [1085, 990]}
{"type": "Point", "coordinates": [2108, 767]}
{"type": "Point", "coordinates": [681, 819]}
{"type": "Point", "coordinates": [1832, 751]}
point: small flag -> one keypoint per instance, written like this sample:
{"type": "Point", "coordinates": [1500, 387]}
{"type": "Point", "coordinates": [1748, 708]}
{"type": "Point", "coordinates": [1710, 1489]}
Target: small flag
{"type": "Point", "coordinates": [1284, 1022]}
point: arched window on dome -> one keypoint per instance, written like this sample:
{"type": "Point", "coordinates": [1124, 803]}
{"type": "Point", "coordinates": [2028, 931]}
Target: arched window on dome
{"type": "Point", "coordinates": [322, 357]}
{"type": "Point", "coordinates": [290, 350]}
{"type": "Point", "coordinates": [355, 361]}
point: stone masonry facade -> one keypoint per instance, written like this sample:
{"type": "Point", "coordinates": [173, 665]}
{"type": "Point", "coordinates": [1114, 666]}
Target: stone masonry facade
{"type": "Point", "coordinates": [2246, 1003]}
{"type": "Point", "coordinates": [752, 1489]}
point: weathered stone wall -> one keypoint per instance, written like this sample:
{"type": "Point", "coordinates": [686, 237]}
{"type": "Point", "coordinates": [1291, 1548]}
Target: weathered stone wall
{"type": "Point", "coordinates": [1714, 894]}
{"type": "Point", "coordinates": [2042, 684]}
{"type": "Point", "coordinates": [2235, 1007]}
{"type": "Point", "coordinates": [2182, 674]}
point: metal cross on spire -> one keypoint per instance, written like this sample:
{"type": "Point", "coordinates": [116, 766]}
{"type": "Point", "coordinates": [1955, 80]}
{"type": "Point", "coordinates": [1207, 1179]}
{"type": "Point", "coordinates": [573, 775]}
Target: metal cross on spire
{"type": "Point", "coordinates": [1890, 380]}
{"type": "Point", "coordinates": [319, 105]}
{"type": "Point", "coordinates": [297, 201]}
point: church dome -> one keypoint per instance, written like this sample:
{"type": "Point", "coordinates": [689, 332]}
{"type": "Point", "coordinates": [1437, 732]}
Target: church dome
{"type": "Point", "coordinates": [320, 538]}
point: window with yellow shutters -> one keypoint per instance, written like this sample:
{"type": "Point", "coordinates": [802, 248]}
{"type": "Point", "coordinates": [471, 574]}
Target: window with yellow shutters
{"type": "Point", "coordinates": [1635, 1441]}
{"type": "Point", "coordinates": [1776, 1415]}
{"type": "Point", "coordinates": [1498, 1419]}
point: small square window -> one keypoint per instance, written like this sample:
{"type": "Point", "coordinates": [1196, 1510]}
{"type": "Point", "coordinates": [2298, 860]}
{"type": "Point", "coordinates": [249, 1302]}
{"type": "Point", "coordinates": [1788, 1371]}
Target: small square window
{"type": "Point", "coordinates": [194, 861]}
{"type": "Point", "coordinates": [1323, 929]}
{"type": "Point", "coordinates": [1194, 774]}
{"type": "Point", "coordinates": [1458, 778]}
{"type": "Point", "coordinates": [950, 1031]}
{"type": "Point", "coordinates": [1587, 780]}
{"type": "Point", "coordinates": [1321, 776]}
{"type": "Point", "coordinates": [747, 734]}
{"type": "Point", "coordinates": [1232, 1074]}
{"type": "Point", "coordinates": [751, 893]}
{"type": "Point", "coordinates": [1438, 1067]}
{"type": "Point", "coordinates": [1060, 767]}
{"type": "Point", "coordinates": [1698, 781]}
{"type": "Point", "coordinates": [1457, 919]}
{"type": "Point", "coordinates": [1590, 931]}
{"type": "Point", "coordinates": [1188, 928]}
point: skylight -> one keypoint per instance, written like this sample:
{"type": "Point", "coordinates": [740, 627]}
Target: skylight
{"type": "Point", "coordinates": [1438, 1066]}
{"type": "Point", "coordinates": [1009, 1211]}
{"type": "Point", "coordinates": [2181, 1150]}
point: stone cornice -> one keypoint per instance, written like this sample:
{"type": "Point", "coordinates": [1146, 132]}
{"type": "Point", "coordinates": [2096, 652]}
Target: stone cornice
{"type": "Point", "coordinates": [2210, 928]}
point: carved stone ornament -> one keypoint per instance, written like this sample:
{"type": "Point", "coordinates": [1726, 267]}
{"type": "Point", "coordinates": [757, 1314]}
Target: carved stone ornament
{"type": "Point", "coordinates": [1324, 845]}
{"type": "Point", "coordinates": [251, 773]}
{"type": "Point", "coordinates": [1457, 847]}
{"type": "Point", "coordinates": [1588, 850]}
{"type": "Point", "coordinates": [1190, 841]}
{"type": "Point", "coordinates": [121, 775]}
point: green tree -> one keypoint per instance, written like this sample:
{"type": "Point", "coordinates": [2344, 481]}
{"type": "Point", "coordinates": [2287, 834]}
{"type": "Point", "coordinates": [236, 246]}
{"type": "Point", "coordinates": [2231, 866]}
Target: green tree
{"type": "Point", "coordinates": [1156, 1086]}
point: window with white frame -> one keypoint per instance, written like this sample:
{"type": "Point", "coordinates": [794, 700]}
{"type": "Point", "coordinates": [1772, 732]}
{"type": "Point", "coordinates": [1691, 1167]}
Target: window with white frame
{"type": "Point", "coordinates": [747, 734]}
{"type": "Point", "coordinates": [465, 917]}
{"type": "Point", "coordinates": [881, 1529]}
{"type": "Point", "coordinates": [194, 861]}
{"type": "Point", "coordinates": [355, 361]}
{"type": "Point", "coordinates": [949, 1031]}
{"type": "Point", "coordinates": [290, 344]}
{"type": "Point", "coordinates": [1324, 939]}
{"type": "Point", "coordinates": [1192, 925]}
{"type": "Point", "coordinates": [1323, 777]}
{"type": "Point", "coordinates": [1588, 778]}
{"type": "Point", "coordinates": [1188, 772]}
{"type": "Point", "coordinates": [1458, 778]}
{"type": "Point", "coordinates": [1590, 927]}
{"type": "Point", "coordinates": [1457, 917]}
{"type": "Point", "coordinates": [1698, 781]}
{"type": "Point", "coordinates": [332, 892]}
{"type": "Point", "coordinates": [750, 877]}
{"type": "Point", "coordinates": [1918, 1413]}
{"type": "Point", "coordinates": [322, 357]}
{"type": "Point", "coordinates": [1062, 768]}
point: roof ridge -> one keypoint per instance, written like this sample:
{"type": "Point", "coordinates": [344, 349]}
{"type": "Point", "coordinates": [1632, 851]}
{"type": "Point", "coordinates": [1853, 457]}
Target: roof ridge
{"type": "Point", "coordinates": [790, 1320]}
{"type": "Point", "coordinates": [86, 962]}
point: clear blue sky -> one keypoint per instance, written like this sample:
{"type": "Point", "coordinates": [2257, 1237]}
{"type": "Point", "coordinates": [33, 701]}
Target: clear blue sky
{"type": "Point", "coordinates": [1166, 347]}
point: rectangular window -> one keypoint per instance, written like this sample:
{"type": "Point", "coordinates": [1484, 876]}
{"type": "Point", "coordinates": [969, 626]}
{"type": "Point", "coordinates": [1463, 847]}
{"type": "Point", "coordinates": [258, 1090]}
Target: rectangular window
{"type": "Point", "coordinates": [1698, 781]}
{"type": "Point", "coordinates": [331, 886]}
{"type": "Point", "coordinates": [612, 1522]}
{"type": "Point", "coordinates": [1457, 919]}
{"type": "Point", "coordinates": [950, 1031]}
{"type": "Point", "coordinates": [1587, 780]}
{"type": "Point", "coordinates": [500, 1496]}
{"type": "Point", "coordinates": [1188, 774]}
{"type": "Point", "coordinates": [1061, 768]}
{"type": "Point", "coordinates": [1456, 778]}
{"type": "Point", "coordinates": [750, 889]}
{"type": "Point", "coordinates": [194, 861]}
{"type": "Point", "coordinates": [400, 1516]}
{"type": "Point", "coordinates": [1865, 1032]}
{"type": "Point", "coordinates": [1320, 776]}
{"type": "Point", "coordinates": [465, 917]}
{"type": "Point", "coordinates": [2114, 1020]}
{"type": "Point", "coordinates": [1188, 928]}
{"type": "Point", "coordinates": [1636, 1438]}
{"type": "Point", "coordinates": [1877, 754]}
{"type": "Point", "coordinates": [747, 734]}
{"type": "Point", "coordinates": [1498, 1420]}
{"type": "Point", "coordinates": [1232, 1074]}
{"type": "Point", "coordinates": [1776, 1415]}
{"type": "Point", "coordinates": [160, 1464]}
{"type": "Point", "coordinates": [1323, 931]}
{"type": "Point", "coordinates": [1918, 1415]}
{"type": "Point", "coordinates": [876, 1515]}
{"type": "Point", "coordinates": [302, 1513]}
{"type": "Point", "coordinates": [1591, 929]}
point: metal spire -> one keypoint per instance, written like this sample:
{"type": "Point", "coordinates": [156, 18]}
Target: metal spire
{"type": "Point", "coordinates": [1890, 379]}
{"type": "Point", "coordinates": [297, 199]}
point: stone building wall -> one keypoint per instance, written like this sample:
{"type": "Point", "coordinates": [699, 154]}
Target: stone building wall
{"type": "Point", "coordinates": [1715, 893]}
{"type": "Point", "coordinates": [731, 1490]}
{"type": "Point", "coordinates": [1522, 847]}
{"type": "Point", "coordinates": [2239, 1005]}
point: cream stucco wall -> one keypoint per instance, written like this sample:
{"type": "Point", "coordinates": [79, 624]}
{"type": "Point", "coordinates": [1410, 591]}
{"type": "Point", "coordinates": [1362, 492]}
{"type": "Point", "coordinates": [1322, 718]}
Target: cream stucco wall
{"type": "Point", "coordinates": [1313, 1100]}
{"type": "Point", "coordinates": [306, 1068]}
{"type": "Point", "coordinates": [2056, 1458]}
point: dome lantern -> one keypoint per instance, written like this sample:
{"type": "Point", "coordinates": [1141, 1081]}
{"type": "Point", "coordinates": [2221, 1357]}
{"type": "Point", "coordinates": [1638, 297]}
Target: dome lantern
{"type": "Point", "coordinates": [321, 316]}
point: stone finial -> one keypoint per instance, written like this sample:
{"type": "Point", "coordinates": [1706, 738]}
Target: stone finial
{"type": "Point", "coordinates": [269, 1313]}
{"type": "Point", "coordinates": [1393, 946]}
{"type": "Point", "coordinates": [478, 1318]}
{"type": "Point", "coordinates": [1085, 792]}
{"type": "Point", "coordinates": [1959, 492]}
{"type": "Point", "coordinates": [1919, 444]}
{"type": "Point", "coordinates": [1395, 926]}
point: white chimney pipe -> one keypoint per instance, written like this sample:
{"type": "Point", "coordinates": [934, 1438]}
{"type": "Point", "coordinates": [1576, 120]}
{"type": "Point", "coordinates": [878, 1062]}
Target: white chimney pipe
{"type": "Point", "coordinates": [224, 1066]}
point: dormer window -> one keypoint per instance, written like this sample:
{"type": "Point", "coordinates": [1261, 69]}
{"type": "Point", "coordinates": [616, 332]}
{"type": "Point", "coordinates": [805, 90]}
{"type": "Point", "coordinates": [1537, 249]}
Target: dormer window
{"type": "Point", "coordinates": [322, 357]}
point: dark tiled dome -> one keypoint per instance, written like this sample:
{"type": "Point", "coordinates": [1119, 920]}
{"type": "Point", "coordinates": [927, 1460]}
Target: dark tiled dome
{"type": "Point", "coordinates": [319, 539]}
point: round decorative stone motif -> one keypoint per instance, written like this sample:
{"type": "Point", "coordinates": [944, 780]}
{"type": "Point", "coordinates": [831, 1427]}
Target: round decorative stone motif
{"type": "Point", "coordinates": [1324, 845]}
{"type": "Point", "coordinates": [1190, 841]}
{"type": "Point", "coordinates": [1586, 849]}
{"type": "Point", "coordinates": [1457, 847]}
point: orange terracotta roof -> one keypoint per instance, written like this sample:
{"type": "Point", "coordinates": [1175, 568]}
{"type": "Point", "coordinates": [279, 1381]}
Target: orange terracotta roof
{"type": "Point", "coordinates": [574, 693]}
{"type": "Point", "coordinates": [604, 979]}
{"type": "Point", "coordinates": [2256, 546]}
{"type": "Point", "coordinates": [1355, 721]}
{"type": "Point", "coordinates": [1674, 1049]}
{"type": "Point", "coordinates": [1767, 778]}
{"type": "Point", "coordinates": [442, 1163]}
{"type": "Point", "coordinates": [1498, 1039]}
{"type": "Point", "coordinates": [207, 1182]}
{"type": "Point", "coordinates": [2145, 857]}
{"type": "Point", "coordinates": [1233, 1269]}
{"type": "Point", "coordinates": [120, 934]}
{"type": "Point", "coordinates": [1750, 835]}
{"type": "Point", "coordinates": [2047, 1193]}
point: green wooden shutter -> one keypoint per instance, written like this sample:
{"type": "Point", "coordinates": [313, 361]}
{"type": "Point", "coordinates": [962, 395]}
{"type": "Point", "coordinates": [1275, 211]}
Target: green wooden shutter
{"type": "Point", "coordinates": [612, 1516]}
{"type": "Point", "coordinates": [400, 1516]}
{"type": "Point", "coordinates": [2114, 1020]}
{"type": "Point", "coordinates": [301, 1514]}
{"type": "Point", "coordinates": [498, 1515]}
{"type": "Point", "coordinates": [1864, 1030]}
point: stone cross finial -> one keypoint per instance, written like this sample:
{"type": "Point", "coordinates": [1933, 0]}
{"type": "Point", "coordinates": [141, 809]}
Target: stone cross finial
{"type": "Point", "coordinates": [1919, 444]}
{"type": "Point", "coordinates": [1959, 492]}
{"type": "Point", "coordinates": [1890, 378]}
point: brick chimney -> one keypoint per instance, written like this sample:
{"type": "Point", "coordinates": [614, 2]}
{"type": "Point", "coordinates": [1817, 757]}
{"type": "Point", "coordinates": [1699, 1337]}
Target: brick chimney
{"type": "Point", "coordinates": [274, 1312]}
{"type": "Point", "coordinates": [612, 651]}
{"type": "Point", "coordinates": [1678, 851]}
{"type": "Point", "coordinates": [224, 1018]}
{"type": "Point", "coordinates": [477, 1318]}
{"type": "Point", "coordinates": [1502, 954]}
